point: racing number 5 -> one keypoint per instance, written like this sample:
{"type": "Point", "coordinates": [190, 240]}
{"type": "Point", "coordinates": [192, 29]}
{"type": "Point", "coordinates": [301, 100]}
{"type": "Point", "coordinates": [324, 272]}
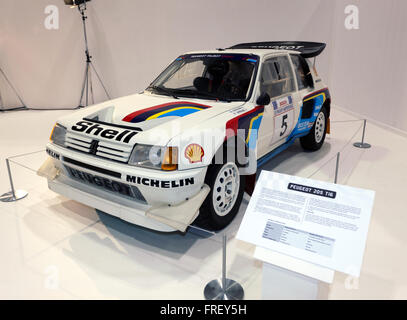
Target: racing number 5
{"type": "Point", "coordinates": [284, 125]}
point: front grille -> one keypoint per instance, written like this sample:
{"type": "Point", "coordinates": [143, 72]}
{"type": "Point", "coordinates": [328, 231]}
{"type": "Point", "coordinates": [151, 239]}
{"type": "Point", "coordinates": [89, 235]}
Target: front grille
{"type": "Point", "coordinates": [100, 148]}
{"type": "Point", "coordinates": [105, 184]}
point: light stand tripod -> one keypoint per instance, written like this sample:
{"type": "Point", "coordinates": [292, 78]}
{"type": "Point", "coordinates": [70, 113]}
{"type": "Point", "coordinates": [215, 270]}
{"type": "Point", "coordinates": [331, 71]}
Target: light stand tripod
{"type": "Point", "coordinates": [23, 107]}
{"type": "Point", "coordinates": [87, 88]}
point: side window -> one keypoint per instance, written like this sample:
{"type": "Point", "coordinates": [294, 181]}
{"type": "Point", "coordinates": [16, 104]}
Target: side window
{"type": "Point", "coordinates": [276, 77]}
{"type": "Point", "coordinates": [301, 69]}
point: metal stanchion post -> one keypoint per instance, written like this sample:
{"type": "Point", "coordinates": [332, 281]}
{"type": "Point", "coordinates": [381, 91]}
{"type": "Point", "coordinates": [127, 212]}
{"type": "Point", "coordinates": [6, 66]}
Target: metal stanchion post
{"type": "Point", "coordinates": [13, 195]}
{"type": "Point", "coordinates": [226, 289]}
{"type": "Point", "coordinates": [337, 167]}
{"type": "Point", "coordinates": [362, 144]}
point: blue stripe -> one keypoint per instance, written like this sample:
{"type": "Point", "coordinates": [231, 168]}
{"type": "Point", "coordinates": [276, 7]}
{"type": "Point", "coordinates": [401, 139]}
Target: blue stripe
{"type": "Point", "coordinates": [178, 113]}
{"type": "Point", "coordinates": [254, 132]}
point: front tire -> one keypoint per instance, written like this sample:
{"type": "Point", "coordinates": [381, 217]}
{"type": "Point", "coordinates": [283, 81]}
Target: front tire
{"type": "Point", "coordinates": [223, 202]}
{"type": "Point", "coordinates": [315, 138]}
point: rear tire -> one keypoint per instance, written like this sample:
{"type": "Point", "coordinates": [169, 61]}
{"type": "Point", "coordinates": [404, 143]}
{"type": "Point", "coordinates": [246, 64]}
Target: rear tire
{"type": "Point", "coordinates": [223, 201]}
{"type": "Point", "coordinates": [314, 140]}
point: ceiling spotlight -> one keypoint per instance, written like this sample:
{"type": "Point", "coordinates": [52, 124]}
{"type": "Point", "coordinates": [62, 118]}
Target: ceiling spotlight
{"type": "Point", "coordinates": [74, 3]}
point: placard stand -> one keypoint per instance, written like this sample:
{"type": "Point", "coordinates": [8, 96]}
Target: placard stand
{"type": "Point", "coordinates": [223, 289]}
{"type": "Point", "coordinates": [12, 195]}
{"type": "Point", "coordinates": [285, 277]}
{"type": "Point", "coordinates": [363, 144]}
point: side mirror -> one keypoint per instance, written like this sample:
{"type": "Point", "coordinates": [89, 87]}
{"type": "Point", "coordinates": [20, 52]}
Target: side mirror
{"type": "Point", "coordinates": [263, 99]}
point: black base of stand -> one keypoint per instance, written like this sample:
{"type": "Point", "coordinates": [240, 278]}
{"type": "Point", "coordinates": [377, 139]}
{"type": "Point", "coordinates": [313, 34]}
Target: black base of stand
{"type": "Point", "coordinates": [14, 109]}
{"type": "Point", "coordinates": [362, 145]}
{"type": "Point", "coordinates": [10, 197]}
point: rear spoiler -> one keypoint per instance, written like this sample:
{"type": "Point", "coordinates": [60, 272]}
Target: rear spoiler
{"type": "Point", "coordinates": [306, 49]}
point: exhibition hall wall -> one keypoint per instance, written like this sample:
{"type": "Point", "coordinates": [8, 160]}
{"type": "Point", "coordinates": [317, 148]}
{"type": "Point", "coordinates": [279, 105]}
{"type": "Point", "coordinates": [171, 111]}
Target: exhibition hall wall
{"type": "Point", "coordinates": [369, 66]}
{"type": "Point", "coordinates": [132, 41]}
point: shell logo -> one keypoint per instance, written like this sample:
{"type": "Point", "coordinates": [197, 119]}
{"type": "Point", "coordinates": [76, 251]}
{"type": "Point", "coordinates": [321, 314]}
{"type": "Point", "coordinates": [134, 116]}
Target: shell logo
{"type": "Point", "coordinates": [194, 153]}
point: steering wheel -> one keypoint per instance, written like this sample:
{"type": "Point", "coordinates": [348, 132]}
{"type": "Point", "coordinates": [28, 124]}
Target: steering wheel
{"type": "Point", "coordinates": [231, 88]}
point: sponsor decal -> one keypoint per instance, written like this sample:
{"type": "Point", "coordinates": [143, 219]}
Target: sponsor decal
{"type": "Point", "coordinates": [237, 110]}
{"type": "Point", "coordinates": [109, 185]}
{"type": "Point", "coordinates": [199, 56]}
{"type": "Point", "coordinates": [194, 153]}
{"type": "Point", "coordinates": [164, 184]}
{"type": "Point", "coordinates": [52, 154]}
{"type": "Point", "coordinates": [286, 47]}
{"type": "Point", "coordinates": [283, 105]}
{"type": "Point", "coordinates": [98, 130]}
{"type": "Point", "coordinates": [173, 109]}
{"type": "Point", "coordinates": [280, 111]}
{"type": "Point", "coordinates": [304, 125]}
{"type": "Point", "coordinates": [229, 56]}
{"type": "Point", "coordinates": [275, 47]}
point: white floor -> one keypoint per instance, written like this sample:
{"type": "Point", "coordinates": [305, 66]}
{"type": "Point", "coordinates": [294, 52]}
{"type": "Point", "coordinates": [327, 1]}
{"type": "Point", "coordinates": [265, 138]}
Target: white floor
{"type": "Point", "coordinates": [55, 248]}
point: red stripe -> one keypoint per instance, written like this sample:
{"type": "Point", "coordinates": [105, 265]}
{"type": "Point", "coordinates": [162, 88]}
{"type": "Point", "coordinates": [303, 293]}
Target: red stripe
{"type": "Point", "coordinates": [132, 115]}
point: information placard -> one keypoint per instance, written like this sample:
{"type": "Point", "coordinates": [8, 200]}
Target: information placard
{"type": "Point", "coordinates": [315, 221]}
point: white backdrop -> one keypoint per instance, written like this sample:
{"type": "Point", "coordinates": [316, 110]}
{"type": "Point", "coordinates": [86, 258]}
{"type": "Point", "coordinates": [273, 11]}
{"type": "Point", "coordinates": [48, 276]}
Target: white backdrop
{"type": "Point", "coordinates": [131, 41]}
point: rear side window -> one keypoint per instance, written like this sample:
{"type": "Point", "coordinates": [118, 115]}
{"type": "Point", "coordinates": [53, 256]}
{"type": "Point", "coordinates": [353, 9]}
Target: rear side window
{"type": "Point", "coordinates": [301, 69]}
{"type": "Point", "coordinates": [276, 77]}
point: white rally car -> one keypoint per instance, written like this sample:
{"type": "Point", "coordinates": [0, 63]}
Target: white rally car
{"type": "Point", "coordinates": [185, 149]}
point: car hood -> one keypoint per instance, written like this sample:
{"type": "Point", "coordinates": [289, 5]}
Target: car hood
{"type": "Point", "coordinates": [153, 116]}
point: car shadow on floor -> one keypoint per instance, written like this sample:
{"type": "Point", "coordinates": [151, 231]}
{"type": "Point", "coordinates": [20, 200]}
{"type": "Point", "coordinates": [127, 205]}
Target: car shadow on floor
{"type": "Point", "coordinates": [167, 243]}
{"type": "Point", "coordinates": [124, 247]}
{"type": "Point", "coordinates": [294, 159]}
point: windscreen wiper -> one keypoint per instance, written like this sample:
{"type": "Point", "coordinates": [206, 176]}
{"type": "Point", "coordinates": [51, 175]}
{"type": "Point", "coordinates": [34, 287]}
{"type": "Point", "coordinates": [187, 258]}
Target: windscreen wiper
{"type": "Point", "coordinates": [165, 90]}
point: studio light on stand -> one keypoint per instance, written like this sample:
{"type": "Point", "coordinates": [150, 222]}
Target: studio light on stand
{"type": "Point", "coordinates": [87, 88]}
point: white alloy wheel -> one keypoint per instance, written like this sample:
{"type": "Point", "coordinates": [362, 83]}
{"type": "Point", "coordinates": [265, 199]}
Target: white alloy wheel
{"type": "Point", "coordinates": [226, 189]}
{"type": "Point", "coordinates": [319, 127]}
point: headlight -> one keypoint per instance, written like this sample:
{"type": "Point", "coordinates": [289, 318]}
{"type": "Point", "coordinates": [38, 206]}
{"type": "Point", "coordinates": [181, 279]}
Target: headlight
{"type": "Point", "coordinates": [58, 135]}
{"type": "Point", "coordinates": [155, 157]}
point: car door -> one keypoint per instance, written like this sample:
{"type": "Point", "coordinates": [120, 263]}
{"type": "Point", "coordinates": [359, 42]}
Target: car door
{"type": "Point", "coordinates": [279, 116]}
{"type": "Point", "coordinates": [304, 85]}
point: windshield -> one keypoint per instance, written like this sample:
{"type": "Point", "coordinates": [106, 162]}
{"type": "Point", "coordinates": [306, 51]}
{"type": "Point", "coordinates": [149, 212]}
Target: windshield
{"type": "Point", "coordinates": [225, 77]}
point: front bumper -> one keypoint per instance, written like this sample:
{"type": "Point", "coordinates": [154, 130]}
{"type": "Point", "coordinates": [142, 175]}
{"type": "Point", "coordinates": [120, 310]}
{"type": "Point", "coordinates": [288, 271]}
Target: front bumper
{"type": "Point", "coordinates": [166, 201]}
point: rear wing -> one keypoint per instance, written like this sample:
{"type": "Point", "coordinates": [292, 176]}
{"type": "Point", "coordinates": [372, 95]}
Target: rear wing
{"type": "Point", "coordinates": [306, 49]}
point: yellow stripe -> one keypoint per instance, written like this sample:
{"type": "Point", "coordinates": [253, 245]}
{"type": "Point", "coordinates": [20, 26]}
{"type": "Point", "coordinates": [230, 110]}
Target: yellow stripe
{"type": "Point", "coordinates": [323, 94]}
{"type": "Point", "coordinates": [251, 125]}
{"type": "Point", "coordinates": [170, 110]}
